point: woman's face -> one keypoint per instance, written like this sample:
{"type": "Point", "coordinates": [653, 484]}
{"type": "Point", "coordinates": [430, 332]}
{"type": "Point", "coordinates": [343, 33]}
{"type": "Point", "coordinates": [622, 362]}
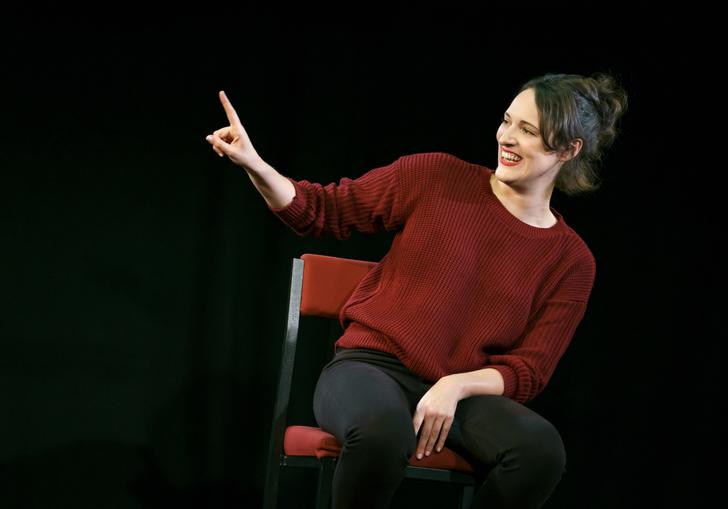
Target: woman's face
{"type": "Point", "coordinates": [523, 160]}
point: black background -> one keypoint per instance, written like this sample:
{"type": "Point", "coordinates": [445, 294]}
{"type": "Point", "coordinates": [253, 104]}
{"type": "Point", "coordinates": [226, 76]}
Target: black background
{"type": "Point", "coordinates": [145, 282]}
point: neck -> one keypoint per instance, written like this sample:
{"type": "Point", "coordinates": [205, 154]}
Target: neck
{"type": "Point", "coordinates": [532, 206]}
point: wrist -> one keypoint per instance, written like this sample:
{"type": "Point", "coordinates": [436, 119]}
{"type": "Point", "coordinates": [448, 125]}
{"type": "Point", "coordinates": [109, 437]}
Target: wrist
{"type": "Point", "coordinates": [484, 381]}
{"type": "Point", "coordinates": [458, 382]}
{"type": "Point", "coordinates": [253, 163]}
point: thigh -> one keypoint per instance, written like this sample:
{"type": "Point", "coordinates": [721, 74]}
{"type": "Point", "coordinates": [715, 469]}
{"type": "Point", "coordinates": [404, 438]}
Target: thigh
{"type": "Point", "coordinates": [485, 428]}
{"type": "Point", "coordinates": [351, 394]}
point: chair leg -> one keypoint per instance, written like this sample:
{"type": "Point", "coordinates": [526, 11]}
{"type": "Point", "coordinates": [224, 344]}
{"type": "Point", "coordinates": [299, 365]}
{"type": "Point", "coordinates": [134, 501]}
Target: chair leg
{"type": "Point", "coordinates": [270, 492]}
{"type": "Point", "coordinates": [325, 479]}
{"type": "Point", "coordinates": [466, 496]}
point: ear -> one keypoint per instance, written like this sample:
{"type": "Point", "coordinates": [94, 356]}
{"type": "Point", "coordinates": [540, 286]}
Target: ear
{"type": "Point", "coordinates": [574, 149]}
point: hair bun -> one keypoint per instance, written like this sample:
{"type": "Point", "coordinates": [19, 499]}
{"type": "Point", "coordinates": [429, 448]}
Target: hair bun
{"type": "Point", "coordinates": [611, 101]}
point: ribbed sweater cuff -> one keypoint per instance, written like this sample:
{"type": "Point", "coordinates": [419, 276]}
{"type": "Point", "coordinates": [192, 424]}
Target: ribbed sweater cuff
{"type": "Point", "coordinates": [510, 380]}
{"type": "Point", "coordinates": [292, 213]}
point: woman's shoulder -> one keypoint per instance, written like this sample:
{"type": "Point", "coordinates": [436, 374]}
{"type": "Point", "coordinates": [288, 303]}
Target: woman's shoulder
{"type": "Point", "coordinates": [432, 158]}
{"type": "Point", "coordinates": [578, 252]}
{"type": "Point", "coordinates": [439, 162]}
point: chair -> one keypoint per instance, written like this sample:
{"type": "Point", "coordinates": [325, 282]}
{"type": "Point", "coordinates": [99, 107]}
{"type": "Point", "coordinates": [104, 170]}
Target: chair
{"type": "Point", "coordinates": [319, 286]}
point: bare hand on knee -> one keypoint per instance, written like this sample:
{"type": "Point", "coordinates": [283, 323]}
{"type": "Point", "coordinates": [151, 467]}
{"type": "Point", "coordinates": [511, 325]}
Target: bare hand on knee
{"type": "Point", "coordinates": [434, 415]}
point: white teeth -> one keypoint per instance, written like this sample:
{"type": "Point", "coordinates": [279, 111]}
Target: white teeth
{"type": "Point", "coordinates": [510, 157]}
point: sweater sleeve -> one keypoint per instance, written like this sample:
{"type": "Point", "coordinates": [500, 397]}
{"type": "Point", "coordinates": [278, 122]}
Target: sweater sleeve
{"type": "Point", "coordinates": [527, 368]}
{"type": "Point", "coordinates": [367, 204]}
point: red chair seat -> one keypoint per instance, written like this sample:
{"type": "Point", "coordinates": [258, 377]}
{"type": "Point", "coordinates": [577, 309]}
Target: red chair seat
{"type": "Point", "coordinates": [310, 441]}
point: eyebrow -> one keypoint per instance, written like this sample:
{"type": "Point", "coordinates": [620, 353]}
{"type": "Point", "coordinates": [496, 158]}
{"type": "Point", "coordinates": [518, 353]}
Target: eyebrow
{"type": "Point", "coordinates": [524, 122]}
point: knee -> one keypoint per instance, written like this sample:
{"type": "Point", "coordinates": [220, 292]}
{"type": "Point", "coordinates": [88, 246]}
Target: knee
{"type": "Point", "coordinates": [540, 448]}
{"type": "Point", "coordinates": [527, 443]}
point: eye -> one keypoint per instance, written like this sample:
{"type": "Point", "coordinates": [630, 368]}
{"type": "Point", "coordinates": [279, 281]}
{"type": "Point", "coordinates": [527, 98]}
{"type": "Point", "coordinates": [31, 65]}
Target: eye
{"type": "Point", "coordinates": [527, 131]}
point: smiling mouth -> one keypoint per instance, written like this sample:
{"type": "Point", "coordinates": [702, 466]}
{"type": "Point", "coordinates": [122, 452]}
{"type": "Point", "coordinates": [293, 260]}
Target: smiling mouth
{"type": "Point", "coordinates": [509, 158]}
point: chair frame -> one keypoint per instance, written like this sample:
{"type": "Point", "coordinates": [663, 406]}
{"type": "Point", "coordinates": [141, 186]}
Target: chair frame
{"type": "Point", "coordinates": [276, 459]}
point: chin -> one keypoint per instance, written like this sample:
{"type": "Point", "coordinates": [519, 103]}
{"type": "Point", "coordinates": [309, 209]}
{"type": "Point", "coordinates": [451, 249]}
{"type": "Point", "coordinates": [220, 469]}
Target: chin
{"type": "Point", "coordinates": [504, 173]}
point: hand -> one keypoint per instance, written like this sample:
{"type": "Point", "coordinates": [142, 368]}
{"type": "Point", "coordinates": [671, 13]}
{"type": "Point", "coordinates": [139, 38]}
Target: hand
{"type": "Point", "coordinates": [232, 141]}
{"type": "Point", "coordinates": [434, 414]}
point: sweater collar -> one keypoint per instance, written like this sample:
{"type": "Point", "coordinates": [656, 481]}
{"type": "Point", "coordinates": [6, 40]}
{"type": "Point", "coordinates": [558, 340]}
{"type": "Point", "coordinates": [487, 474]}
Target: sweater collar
{"type": "Point", "coordinates": [512, 221]}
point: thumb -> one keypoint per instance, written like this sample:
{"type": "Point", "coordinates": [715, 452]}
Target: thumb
{"type": "Point", "coordinates": [219, 145]}
{"type": "Point", "coordinates": [417, 420]}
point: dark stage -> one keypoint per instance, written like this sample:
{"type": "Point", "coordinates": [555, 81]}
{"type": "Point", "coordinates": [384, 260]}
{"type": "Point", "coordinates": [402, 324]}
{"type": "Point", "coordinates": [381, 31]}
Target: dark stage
{"type": "Point", "coordinates": [145, 281]}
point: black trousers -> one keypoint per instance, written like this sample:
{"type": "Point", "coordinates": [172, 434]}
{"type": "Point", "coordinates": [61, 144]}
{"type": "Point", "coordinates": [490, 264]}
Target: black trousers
{"type": "Point", "coordinates": [367, 399]}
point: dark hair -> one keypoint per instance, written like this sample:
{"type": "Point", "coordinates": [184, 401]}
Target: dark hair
{"type": "Point", "coordinates": [572, 106]}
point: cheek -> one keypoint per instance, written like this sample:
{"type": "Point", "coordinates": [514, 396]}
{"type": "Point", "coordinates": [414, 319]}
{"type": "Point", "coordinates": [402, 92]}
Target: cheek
{"type": "Point", "coordinates": [544, 160]}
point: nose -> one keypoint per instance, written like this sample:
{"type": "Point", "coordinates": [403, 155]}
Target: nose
{"type": "Point", "coordinates": [505, 136]}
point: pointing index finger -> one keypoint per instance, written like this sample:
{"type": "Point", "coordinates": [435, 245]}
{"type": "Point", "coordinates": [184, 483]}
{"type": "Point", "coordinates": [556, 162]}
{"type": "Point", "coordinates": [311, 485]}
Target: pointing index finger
{"type": "Point", "coordinates": [229, 110]}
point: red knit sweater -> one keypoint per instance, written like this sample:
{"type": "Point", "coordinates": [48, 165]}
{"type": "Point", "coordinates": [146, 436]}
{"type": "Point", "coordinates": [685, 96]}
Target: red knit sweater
{"type": "Point", "coordinates": [465, 284]}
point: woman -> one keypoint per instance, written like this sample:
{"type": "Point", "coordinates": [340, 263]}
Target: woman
{"type": "Point", "coordinates": [466, 317]}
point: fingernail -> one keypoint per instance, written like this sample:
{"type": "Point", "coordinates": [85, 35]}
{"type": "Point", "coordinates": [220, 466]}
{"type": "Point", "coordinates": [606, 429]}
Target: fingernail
{"type": "Point", "coordinates": [419, 456]}
{"type": "Point", "coordinates": [208, 137]}
{"type": "Point", "coordinates": [439, 449]}
{"type": "Point", "coordinates": [427, 453]}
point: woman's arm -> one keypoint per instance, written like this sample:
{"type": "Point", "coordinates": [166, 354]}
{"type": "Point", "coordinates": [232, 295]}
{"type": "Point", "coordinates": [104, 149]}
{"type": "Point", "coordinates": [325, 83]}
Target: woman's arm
{"type": "Point", "coordinates": [520, 373]}
{"type": "Point", "coordinates": [477, 383]}
{"type": "Point", "coordinates": [233, 141]}
{"type": "Point", "coordinates": [367, 204]}
{"type": "Point", "coordinates": [436, 410]}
